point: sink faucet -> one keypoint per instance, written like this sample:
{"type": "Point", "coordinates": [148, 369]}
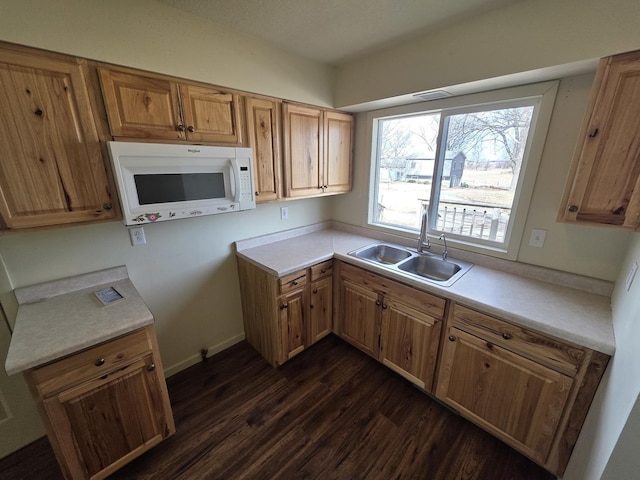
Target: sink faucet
{"type": "Point", "coordinates": [423, 239]}
{"type": "Point", "coordinates": [444, 252]}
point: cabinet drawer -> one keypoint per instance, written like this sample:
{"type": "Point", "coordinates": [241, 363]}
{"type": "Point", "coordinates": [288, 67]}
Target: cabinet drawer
{"type": "Point", "coordinates": [321, 270]}
{"type": "Point", "coordinates": [292, 282]}
{"type": "Point", "coordinates": [561, 356]}
{"type": "Point", "coordinates": [91, 363]}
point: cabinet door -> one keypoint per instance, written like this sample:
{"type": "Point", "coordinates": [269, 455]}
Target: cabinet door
{"type": "Point", "coordinates": [142, 107]}
{"type": "Point", "coordinates": [303, 150]}
{"type": "Point", "coordinates": [103, 424]}
{"type": "Point", "coordinates": [338, 129]}
{"type": "Point", "coordinates": [292, 324]}
{"type": "Point", "coordinates": [409, 342]}
{"type": "Point", "coordinates": [263, 119]}
{"type": "Point", "coordinates": [320, 305]}
{"type": "Point", "coordinates": [52, 170]}
{"type": "Point", "coordinates": [517, 400]}
{"type": "Point", "coordinates": [211, 115]}
{"type": "Point", "coordinates": [359, 322]}
{"type": "Point", "coordinates": [605, 174]}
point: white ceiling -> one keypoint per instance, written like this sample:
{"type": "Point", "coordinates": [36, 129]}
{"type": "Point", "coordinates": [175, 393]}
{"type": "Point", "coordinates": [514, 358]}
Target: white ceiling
{"type": "Point", "coordinates": [336, 31]}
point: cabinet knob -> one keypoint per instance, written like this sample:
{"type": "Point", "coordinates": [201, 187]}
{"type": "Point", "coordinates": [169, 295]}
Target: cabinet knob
{"type": "Point", "coordinates": [452, 338]}
{"type": "Point", "coordinates": [324, 270]}
{"type": "Point", "coordinates": [295, 282]}
{"type": "Point", "coordinates": [315, 290]}
{"type": "Point", "coordinates": [378, 303]}
{"type": "Point", "coordinates": [151, 367]}
{"type": "Point", "coordinates": [99, 362]}
{"type": "Point", "coordinates": [506, 336]}
{"type": "Point", "coordinates": [180, 127]}
{"type": "Point", "coordinates": [257, 194]}
{"type": "Point", "coordinates": [107, 206]}
{"type": "Point", "coordinates": [594, 134]}
{"type": "Point", "coordinates": [573, 208]}
{"type": "Point", "coordinates": [190, 129]}
{"type": "Point", "coordinates": [384, 306]}
{"type": "Point", "coordinates": [283, 306]}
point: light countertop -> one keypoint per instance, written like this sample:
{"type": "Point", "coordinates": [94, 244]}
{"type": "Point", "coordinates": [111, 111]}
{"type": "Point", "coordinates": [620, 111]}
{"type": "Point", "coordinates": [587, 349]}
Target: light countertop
{"type": "Point", "coordinates": [568, 313]}
{"type": "Point", "coordinates": [64, 316]}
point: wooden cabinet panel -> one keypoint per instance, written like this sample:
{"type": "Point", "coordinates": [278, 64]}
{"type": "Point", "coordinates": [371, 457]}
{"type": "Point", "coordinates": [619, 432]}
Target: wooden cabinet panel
{"type": "Point", "coordinates": [142, 107]}
{"type": "Point", "coordinates": [292, 308]}
{"type": "Point", "coordinates": [303, 150]}
{"type": "Point", "coordinates": [604, 179]}
{"type": "Point", "coordinates": [320, 308]}
{"type": "Point", "coordinates": [409, 343]}
{"type": "Point", "coordinates": [211, 115]}
{"type": "Point", "coordinates": [96, 425]}
{"type": "Point", "coordinates": [516, 399]}
{"type": "Point", "coordinates": [359, 323]}
{"type": "Point", "coordinates": [263, 132]}
{"type": "Point", "coordinates": [338, 129]}
{"type": "Point", "coordinates": [51, 163]}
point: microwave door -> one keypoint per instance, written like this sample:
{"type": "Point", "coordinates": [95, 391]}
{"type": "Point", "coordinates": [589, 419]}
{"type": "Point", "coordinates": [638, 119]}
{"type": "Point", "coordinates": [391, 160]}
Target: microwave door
{"type": "Point", "coordinates": [163, 188]}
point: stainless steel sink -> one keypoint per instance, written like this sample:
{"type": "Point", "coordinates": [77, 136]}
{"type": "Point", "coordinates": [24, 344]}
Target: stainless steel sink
{"type": "Point", "coordinates": [426, 266]}
{"type": "Point", "coordinates": [383, 254]}
{"type": "Point", "coordinates": [431, 267]}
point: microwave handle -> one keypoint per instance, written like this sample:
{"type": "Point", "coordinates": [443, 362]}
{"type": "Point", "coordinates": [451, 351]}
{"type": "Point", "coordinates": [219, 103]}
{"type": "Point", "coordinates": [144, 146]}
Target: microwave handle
{"type": "Point", "coordinates": [235, 183]}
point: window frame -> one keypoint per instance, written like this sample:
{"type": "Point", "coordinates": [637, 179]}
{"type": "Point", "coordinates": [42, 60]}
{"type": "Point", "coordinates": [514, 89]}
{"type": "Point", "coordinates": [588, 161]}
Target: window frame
{"type": "Point", "coordinates": [543, 94]}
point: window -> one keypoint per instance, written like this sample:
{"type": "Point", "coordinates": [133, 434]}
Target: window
{"type": "Point", "coordinates": [470, 163]}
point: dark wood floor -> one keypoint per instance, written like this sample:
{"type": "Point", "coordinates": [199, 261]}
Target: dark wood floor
{"type": "Point", "coordinates": [330, 413]}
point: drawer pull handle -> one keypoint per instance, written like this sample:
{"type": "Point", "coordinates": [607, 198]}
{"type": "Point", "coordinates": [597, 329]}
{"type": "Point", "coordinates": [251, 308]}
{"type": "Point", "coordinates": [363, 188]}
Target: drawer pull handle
{"type": "Point", "coordinates": [452, 338]}
{"type": "Point", "coordinates": [99, 362]}
{"type": "Point", "coordinates": [151, 367]}
{"type": "Point", "coordinates": [506, 336]}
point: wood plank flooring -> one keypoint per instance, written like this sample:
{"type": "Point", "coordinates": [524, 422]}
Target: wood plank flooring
{"type": "Point", "coordinates": [329, 413]}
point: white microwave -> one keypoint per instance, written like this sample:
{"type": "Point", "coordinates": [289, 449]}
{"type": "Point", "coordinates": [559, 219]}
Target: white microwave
{"type": "Point", "coordinates": [158, 182]}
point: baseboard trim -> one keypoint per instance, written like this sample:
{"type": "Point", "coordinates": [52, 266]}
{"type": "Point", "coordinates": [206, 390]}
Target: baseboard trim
{"type": "Point", "coordinates": [177, 367]}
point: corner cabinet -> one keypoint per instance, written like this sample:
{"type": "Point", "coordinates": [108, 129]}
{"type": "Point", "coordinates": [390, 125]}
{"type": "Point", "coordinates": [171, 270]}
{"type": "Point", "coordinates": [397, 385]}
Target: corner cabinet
{"type": "Point", "coordinates": [263, 135]}
{"type": "Point", "coordinates": [394, 323]}
{"type": "Point", "coordinates": [528, 389]}
{"type": "Point", "coordinates": [104, 406]}
{"type": "Point", "coordinates": [53, 170]}
{"type": "Point", "coordinates": [284, 315]}
{"type": "Point", "coordinates": [157, 107]}
{"type": "Point", "coordinates": [604, 179]}
{"type": "Point", "coordinates": [318, 147]}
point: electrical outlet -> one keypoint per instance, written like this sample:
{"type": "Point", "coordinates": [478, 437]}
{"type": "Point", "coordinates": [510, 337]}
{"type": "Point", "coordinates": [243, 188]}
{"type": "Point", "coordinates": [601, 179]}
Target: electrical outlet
{"type": "Point", "coordinates": [137, 236]}
{"type": "Point", "coordinates": [284, 213]}
{"type": "Point", "coordinates": [537, 238]}
{"type": "Point", "coordinates": [631, 275]}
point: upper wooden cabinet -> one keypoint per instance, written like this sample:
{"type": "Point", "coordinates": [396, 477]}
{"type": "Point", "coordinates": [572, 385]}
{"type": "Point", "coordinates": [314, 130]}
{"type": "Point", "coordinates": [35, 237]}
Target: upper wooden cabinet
{"type": "Point", "coordinates": [52, 167]}
{"type": "Point", "coordinates": [156, 107]}
{"type": "Point", "coordinates": [317, 151]}
{"type": "Point", "coordinates": [263, 133]}
{"type": "Point", "coordinates": [604, 179]}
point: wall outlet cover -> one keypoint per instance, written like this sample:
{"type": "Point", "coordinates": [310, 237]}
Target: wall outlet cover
{"type": "Point", "coordinates": [137, 236]}
{"type": "Point", "coordinates": [537, 238]}
{"type": "Point", "coordinates": [284, 213]}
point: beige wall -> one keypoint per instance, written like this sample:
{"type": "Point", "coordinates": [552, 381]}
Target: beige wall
{"type": "Point", "coordinates": [591, 251]}
{"type": "Point", "coordinates": [524, 36]}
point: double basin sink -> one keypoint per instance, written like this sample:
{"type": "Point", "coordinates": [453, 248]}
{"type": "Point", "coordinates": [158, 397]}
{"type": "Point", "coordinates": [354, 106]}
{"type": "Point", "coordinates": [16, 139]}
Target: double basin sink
{"type": "Point", "coordinates": [424, 266]}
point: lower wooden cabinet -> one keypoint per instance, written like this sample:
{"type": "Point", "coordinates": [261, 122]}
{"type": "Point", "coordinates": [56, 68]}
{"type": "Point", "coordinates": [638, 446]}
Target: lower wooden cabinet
{"type": "Point", "coordinates": [104, 406]}
{"type": "Point", "coordinates": [528, 389]}
{"type": "Point", "coordinates": [282, 316]}
{"type": "Point", "coordinates": [394, 323]}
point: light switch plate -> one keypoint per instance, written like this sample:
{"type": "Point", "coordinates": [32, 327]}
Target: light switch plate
{"type": "Point", "coordinates": [537, 238]}
{"type": "Point", "coordinates": [631, 275]}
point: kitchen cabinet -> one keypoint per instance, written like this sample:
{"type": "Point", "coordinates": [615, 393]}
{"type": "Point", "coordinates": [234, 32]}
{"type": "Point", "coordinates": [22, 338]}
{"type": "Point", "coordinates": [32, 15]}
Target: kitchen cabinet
{"type": "Point", "coordinates": [104, 406]}
{"type": "Point", "coordinates": [603, 187]}
{"type": "Point", "coordinates": [528, 389]}
{"type": "Point", "coordinates": [156, 107]}
{"type": "Point", "coordinates": [284, 315]}
{"type": "Point", "coordinates": [263, 135]}
{"type": "Point", "coordinates": [53, 170]}
{"type": "Point", "coordinates": [317, 151]}
{"type": "Point", "coordinates": [394, 323]}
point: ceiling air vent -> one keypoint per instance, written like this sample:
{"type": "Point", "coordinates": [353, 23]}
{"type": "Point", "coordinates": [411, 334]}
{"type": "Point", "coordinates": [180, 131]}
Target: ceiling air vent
{"type": "Point", "coordinates": [433, 95]}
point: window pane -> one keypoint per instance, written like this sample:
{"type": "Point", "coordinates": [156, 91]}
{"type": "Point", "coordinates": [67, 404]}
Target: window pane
{"type": "Point", "coordinates": [482, 163]}
{"type": "Point", "coordinates": [406, 161]}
